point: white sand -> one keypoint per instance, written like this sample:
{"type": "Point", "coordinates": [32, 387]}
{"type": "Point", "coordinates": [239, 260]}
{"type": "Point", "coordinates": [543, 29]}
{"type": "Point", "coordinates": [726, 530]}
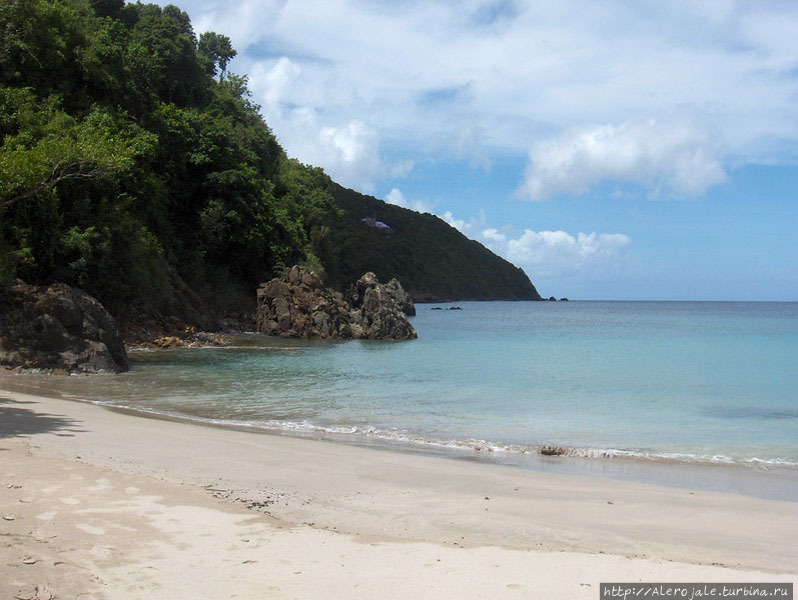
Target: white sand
{"type": "Point", "coordinates": [113, 506]}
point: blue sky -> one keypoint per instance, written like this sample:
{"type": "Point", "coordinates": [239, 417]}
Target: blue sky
{"type": "Point", "coordinates": [614, 150]}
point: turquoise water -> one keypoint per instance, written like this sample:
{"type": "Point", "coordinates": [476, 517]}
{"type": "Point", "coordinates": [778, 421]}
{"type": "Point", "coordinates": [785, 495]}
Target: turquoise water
{"type": "Point", "coordinates": [687, 381]}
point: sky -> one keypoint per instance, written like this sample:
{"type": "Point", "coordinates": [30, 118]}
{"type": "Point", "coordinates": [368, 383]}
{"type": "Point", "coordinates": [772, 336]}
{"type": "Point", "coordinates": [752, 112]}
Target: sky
{"type": "Point", "coordinates": [622, 149]}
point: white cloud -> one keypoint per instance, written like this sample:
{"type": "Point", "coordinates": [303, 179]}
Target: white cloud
{"type": "Point", "coordinates": [468, 228]}
{"type": "Point", "coordinates": [493, 235]}
{"type": "Point", "coordinates": [419, 71]}
{"type": "Point", "coordinates": [549, 253]}
{"type": "Point", "coordinates": [244, 22]}
{"type": "Point", "coordinates": [677, 155]}
{"type": "Point", "coordinates": [272, 83]}
{"type": "Point", "coordinates": [395, 196]}
{"type": "Point", "coordinates": [458, 224]}
{"type": "Point", "coordinates": [350, 152]}
{"type": "Point", "coordinates": [553, 254]}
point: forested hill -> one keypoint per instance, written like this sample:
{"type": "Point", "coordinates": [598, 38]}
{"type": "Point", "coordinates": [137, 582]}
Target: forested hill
{"type": "Point", "coordinates": [433, 260]}
{"type": "Point", "coordinates": [134, 166]}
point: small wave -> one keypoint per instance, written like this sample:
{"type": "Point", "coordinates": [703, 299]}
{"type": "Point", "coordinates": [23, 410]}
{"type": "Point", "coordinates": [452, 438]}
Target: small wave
{"type": "Point", "coordinates": [352, 433]}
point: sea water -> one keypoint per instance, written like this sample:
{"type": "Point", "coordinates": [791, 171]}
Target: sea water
{"type": "Point", "coordinates": [684, 382]}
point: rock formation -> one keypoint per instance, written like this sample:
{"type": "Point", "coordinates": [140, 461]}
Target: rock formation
{"type": "Point", "coordinates": [297, 305]}
{"type": "Point", "coordinates": [57, 327]}
{"type": "Point", "coordinates": [379, 311]}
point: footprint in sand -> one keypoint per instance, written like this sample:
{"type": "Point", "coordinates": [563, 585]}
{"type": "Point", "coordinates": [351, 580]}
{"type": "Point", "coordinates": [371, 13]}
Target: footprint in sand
{"type": "Point", "coordinates": [102, 484]}
{"type": "Point", "coordinates": [46, 516]}
{"type": "Point", "coordinates": [70, 501]}
{"type": "Point", "coordinates": [92, 529]}
{"type": "Point", "coordinates": [101, 551]}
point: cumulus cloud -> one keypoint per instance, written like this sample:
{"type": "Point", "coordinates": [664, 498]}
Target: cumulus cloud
{"type": "Point", "coordinates": [244, 22]}
{"type": "Point", "coordinates": [677, 155]}
{"type": "Point", "coordinates": [530, 70]}
{"type": "Point", "coordinates": [349, 152]}
{"type": "Point", "coordinates": [458, 224]}
{"type": "Point", "coordinates": [272, 83]}
{"type": "Point", "coordinates": [493, 235]}
{"type": "Point", "coordinates": [552, 254]}
{"type": "Point", "coordinates": [395, 196]}
{"type": "Point", "coordinates": [468, 228]}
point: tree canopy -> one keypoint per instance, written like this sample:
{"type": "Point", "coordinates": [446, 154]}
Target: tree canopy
{"type": "Point", "coordinates": [134, 165]}
{"type": "Point", "coordinates": [130, 156]}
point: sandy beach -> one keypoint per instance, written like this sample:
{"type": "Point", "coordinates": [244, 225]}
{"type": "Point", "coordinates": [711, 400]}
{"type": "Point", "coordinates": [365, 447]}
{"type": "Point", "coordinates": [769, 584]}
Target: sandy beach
{"type": "Point", "coordinates": [96, 503]}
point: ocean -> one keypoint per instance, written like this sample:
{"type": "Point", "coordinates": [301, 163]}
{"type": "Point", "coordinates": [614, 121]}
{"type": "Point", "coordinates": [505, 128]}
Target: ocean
{"type": "Point", "coordinates": [612, 388]}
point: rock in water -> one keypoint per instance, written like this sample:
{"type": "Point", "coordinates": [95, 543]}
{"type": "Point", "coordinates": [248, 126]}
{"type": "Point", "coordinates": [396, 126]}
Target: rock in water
{"type": "Point", "coordinates": [297, 305]}
{"type": "Point", "coordinates": [380, 309]}
{"type": "Point", "coordinates": [57, 327]}
{"type": "Point", "coordinates": [393, 289]}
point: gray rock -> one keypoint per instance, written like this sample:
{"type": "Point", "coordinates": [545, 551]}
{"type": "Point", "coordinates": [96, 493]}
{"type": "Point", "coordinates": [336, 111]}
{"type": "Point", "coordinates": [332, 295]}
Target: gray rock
{"type": "Point", "coordinates": [57, 327]}
{"type": "Point", "coordinates": [297, 305]}
{"type": "Point", "coordinates": [393, 289]}
{"type": "Point", "coordinates": [381, 312]}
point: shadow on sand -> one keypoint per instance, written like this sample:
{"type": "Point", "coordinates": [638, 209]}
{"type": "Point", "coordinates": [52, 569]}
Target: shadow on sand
{"type": "Point", "coordinates": [18, 421]}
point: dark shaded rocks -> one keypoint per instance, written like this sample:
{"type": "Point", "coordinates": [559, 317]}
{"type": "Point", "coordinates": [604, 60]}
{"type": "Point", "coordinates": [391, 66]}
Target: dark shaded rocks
{"type": "Point", "coordinates": [57, 327]}
{"type": "Point", "coordinates": [297, 305]}
{"type": "Point", "coordinates": [393, 291]}
{"type": "Point", "coordinates": [380, 310]}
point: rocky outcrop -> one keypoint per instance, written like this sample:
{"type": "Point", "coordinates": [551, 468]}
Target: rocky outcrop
{"type": "Point", "coordinates": [297, 305]}
{"type": "Point", "coordinates": [380, 310]}
{"type": "Point", "coordinates": [392, 291]}
{"type": "Point", "coordinates": [57, 327]}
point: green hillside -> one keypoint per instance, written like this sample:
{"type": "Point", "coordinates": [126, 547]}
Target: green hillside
{"type": "Point", "coordinates": [134, 166]}
{"type": "Point", "coordinates": [433, 260]}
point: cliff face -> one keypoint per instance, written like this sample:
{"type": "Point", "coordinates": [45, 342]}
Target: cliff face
{"type": "Point", "coordinates": [434, 261]}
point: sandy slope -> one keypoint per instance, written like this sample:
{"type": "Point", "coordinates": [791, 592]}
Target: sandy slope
{"type": "Point", "coordinates": [117, 506]}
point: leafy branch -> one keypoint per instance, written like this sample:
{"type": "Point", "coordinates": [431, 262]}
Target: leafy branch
{"type": "Point", "coordinates": [67, 150]}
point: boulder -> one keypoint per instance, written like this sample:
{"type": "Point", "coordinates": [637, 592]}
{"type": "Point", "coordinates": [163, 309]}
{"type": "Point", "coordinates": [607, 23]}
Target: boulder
{"type": "Point", "coordinates": [382, 309]}
{"type": "Point", "coordinates": [57, 327]}
{"type": "Point", "coordinates": [297, 305]}
{"type": "Point", "coordinates": [393, 290]}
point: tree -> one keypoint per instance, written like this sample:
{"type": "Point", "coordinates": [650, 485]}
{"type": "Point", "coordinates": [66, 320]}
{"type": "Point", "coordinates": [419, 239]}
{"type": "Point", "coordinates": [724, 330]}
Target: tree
{"type": "Point", "coordinates": [48, 146]}
{"type": "Point", "coordinates": [215, 49]}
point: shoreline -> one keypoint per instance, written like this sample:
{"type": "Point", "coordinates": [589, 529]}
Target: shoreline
{"type": "Point", "coordinates": [111, 505]}
{"type": "Point", "coordinates": [760, 479]}
{"type": "Point", "coordinates": [414, 498]}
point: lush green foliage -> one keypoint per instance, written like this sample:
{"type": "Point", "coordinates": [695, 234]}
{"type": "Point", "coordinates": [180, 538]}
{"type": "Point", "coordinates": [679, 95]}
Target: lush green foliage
{"type": "Point", "coordinates": [130, 157]}
{"type": "Point", "coordinates": [133, 163]}
{"type": "Point", "coordinates": [433, 260]}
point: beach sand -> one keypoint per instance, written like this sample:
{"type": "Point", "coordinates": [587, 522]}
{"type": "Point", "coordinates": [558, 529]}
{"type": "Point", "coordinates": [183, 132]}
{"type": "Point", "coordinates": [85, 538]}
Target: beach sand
{"type": "Point", "coordinates": [96, 503]}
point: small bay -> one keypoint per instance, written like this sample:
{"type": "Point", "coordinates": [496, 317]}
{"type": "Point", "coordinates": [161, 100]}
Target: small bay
{"type": "Point", "coordinates": [674, 382]}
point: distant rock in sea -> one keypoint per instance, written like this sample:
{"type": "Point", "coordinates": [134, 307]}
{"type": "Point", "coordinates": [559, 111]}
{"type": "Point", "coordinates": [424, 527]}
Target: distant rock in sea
{"type": "Point", "coordinates": [297, 305]}
{"type": "Point", "coordinates": [57, 327]}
